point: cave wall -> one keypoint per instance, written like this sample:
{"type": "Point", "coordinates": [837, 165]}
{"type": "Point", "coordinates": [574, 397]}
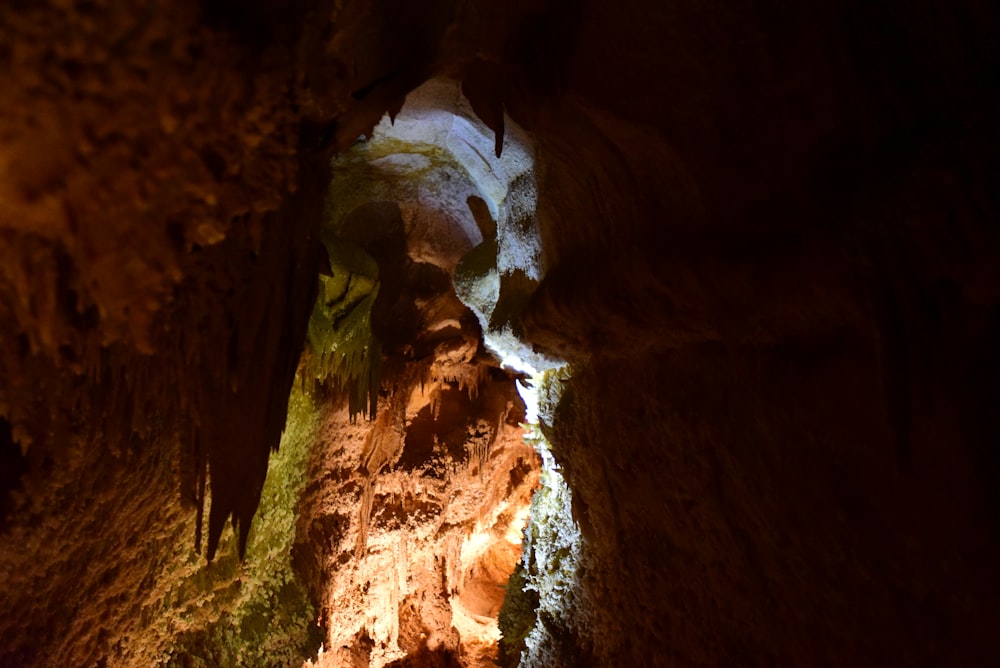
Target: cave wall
{"type": "Point", "coordinates": [159, 256]}
{"type": "Point", "coordinates": [770, 252]}
{"type": "Point", "coordinates": [775, 430]}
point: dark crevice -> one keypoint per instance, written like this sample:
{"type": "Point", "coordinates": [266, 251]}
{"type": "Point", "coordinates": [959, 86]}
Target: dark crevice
{"type": "Point", "coordinates": [13, 465]}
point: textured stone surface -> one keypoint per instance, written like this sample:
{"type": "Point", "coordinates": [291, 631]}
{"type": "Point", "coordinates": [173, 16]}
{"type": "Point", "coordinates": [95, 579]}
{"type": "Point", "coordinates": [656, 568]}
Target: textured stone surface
{"type": "Point", "coordinates": [413, 524]}
{"type": "Point", "coordinates": [411, 558]}
{"type": "Point", "coordinates": [769, 240]}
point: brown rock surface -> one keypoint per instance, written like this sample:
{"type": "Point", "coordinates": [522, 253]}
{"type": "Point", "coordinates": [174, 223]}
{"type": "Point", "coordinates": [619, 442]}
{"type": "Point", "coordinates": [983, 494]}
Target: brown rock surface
{"type": "Point", "coordinates": [770, 250]}
{"type": "Point", "coordinates": [410, 557]}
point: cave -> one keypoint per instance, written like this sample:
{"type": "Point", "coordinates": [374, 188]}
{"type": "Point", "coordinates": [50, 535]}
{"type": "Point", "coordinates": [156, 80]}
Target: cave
{"type": "Point", "coordinates": [541, 333]}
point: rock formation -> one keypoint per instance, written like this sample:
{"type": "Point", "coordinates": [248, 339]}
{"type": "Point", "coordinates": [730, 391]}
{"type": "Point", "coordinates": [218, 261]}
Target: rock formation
{"type": "Point", "coordinates": [761, 238]}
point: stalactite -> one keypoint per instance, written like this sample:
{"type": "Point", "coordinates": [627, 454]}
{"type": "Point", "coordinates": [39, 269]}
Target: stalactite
{"type": "Point", "coordinates": [364, 515]}
{"type": "Point", "coordinates": [344, 352]}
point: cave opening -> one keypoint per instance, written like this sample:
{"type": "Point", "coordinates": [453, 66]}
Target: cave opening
{"type": "Point", "coordinates": [417, 536]}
